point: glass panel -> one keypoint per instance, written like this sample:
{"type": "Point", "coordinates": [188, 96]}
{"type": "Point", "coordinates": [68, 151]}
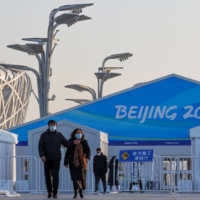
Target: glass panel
{"type": "Point", "coordinates": [166, 179]}
{"type": "Point", "coordinates": [169, 165]}
{"type": "Point", "coordinates": [25, 165]}
{"type": "Point", "coordinates": [185, 164]}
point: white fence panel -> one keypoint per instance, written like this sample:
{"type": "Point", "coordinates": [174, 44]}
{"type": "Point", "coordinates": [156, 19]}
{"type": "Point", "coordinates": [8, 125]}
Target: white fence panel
{"type": "Point", "coordinates": [18, 173]}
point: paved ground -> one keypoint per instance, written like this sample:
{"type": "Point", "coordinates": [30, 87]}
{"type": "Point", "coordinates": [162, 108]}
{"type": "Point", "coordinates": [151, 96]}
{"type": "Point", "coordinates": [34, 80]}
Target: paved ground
{"type": "Point", "coordinates": [122, 196]}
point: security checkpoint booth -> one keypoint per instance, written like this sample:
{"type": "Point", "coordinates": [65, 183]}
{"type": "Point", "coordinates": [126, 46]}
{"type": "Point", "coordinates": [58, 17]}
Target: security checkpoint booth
{"type": "Point", "coordinates": [7, 160]}
{"type": "Point", "coordinates": [95, 139]}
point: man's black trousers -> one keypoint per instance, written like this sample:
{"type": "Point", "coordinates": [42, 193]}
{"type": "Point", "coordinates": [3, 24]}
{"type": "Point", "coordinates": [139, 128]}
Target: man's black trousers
{"type": "Point", "coordinates": [97, 179]}
{"type": "Point", "coordinates": [51, 169]}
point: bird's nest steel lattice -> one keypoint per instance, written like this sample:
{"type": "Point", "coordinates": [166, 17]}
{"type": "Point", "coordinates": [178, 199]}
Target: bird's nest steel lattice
{"type": "Point", "coordinates": [15, 91]}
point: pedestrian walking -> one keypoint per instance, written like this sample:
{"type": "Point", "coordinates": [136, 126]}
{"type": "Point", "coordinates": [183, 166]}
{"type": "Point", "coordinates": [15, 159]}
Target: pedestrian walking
{"type": "Point", "coordinates": [100, 166]}
{"type": "Point", "coordinates": [49, 151]}
{"type": "Point", "coordinates": [111, 167]}
{"type": "Point", "coordinates": [77, 158]}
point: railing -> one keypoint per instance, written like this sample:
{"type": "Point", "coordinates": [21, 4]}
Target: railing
{"type": "Point", "coordinates": [164, 174]}
{"type": "Point", "coordinates": [18, 173]}
{"type": "Point", "coordinates": [187, 174]}
{"type": "Point", "coordinates": [146, 176]}
{"type": "Point", "coordinates": [65, 183]}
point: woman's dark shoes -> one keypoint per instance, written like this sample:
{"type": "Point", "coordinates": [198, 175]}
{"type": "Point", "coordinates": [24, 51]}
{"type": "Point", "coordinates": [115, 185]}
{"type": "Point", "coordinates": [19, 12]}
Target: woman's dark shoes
{"type": "Point", "coordinates": [75, 194]}
{"type": "Point", "coordinates": [81, 193]}
{"type": "Point", "coordinates": [49, 195]}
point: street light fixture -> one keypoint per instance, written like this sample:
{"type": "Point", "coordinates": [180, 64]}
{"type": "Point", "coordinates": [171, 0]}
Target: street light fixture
{"type": "Point", "coordinates": [75, 8]}
{"type": "Point", "coordinates": [35, 49]}
{"type": "Point", "coordinates": [121, 57]}
{"type": "Point", "coordinates": [80, 101]}
{"type": "Point", "coordinates": [82, 88]}
{"type": "Point", "coordinates": [40, 40]}
{"type": "Point", "coordinates": [31, 49]}
{"type": "Point", "coordinates": [105, 73]}
{"type": "Point", "coordinates": [70, 19]}
{"type": "Point", "coordinates": [108, 69]}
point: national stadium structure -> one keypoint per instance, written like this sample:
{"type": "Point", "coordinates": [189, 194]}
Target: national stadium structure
{"type": "Point", "coordinates": [15, 91]}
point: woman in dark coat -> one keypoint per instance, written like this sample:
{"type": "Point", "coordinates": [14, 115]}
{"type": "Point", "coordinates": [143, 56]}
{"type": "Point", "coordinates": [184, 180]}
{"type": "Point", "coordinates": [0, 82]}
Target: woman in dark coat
{"type": "Point", "coordinates": [110, 176]}
{"type": "Point", "coordinates": [76, 158]}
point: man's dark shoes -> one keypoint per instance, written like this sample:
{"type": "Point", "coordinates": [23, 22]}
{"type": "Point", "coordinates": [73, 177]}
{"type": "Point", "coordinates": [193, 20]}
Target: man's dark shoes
{"type": "Point", "coordinates": [55, 196]}
{"type": "Point", "coordinates": [49, 195]}
{"type": "Point", "coordinates": [81, 193]}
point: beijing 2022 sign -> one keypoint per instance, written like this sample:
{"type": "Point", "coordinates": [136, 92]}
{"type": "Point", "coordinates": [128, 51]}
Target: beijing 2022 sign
{"type": "Point", "coordinates": [155, 112]}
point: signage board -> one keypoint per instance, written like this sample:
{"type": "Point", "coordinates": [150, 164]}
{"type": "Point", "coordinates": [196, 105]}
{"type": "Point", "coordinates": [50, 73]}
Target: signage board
{"type": "Point", "coordinates": [136, 155]}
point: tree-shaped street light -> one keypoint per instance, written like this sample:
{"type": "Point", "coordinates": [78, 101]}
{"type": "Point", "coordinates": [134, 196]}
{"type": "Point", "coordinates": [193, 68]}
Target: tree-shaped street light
{"type": "Point", "coordinates": [67, 18]}
{"type": "Point", "coordinates": [104, 74]}
{"type": "Point", "coordinates": [45, 71]}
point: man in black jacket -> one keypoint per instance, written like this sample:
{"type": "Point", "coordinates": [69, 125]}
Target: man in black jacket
{"type": "Point", "coordinates": [49, 150]}
{"type": "Point", "coordinates": [100, 166]}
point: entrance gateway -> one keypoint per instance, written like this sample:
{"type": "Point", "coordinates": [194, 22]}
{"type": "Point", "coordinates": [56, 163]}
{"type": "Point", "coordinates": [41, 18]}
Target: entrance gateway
{"type": "Point", "coordinates": [140, 170]}
{"type": "Point", "coordinates": [135, 158]}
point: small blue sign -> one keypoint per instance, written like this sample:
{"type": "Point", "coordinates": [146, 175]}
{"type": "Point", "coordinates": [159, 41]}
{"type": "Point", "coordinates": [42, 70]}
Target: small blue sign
{"type": "Point", "coordinates": [136, 155]}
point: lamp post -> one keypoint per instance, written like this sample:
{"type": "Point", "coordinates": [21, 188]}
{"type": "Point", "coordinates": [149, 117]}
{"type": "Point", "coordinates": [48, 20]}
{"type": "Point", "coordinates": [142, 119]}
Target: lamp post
{"type": "Point", "coordinates": [80, 101]}
{"type": "Point", "coordinates": [39, 83]}
{"type": "Point", "coordinates": [43, 41]}
{"type": "Point", "coordinates": [69, 19]}
{"type": "Point", "coordinates": [82, 88]}
{"type": "Point", "coordinates": [35, 49]}
{"type": "Point", "coordinates": [45, 60]}
{"type": "Point", "coordinates": [104, 74]}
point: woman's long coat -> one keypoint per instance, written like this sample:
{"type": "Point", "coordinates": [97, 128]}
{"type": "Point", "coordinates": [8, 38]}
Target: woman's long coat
{"type": "Point", "coordinates": [77, 173]}
{"type": "Point", "coordinates": [111, 168]}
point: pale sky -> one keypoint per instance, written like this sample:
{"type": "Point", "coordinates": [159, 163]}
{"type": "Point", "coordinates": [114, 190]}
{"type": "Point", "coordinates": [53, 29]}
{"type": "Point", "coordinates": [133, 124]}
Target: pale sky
{"type": "Point", "coordinates": [163, 35]}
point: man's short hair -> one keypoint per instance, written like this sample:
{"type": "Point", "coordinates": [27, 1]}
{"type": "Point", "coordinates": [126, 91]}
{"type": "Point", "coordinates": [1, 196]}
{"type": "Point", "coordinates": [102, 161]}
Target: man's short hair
{"type": "Point", "coordinates": [52, 121]}
{"type": "Point", "coordinates": [98, 149]}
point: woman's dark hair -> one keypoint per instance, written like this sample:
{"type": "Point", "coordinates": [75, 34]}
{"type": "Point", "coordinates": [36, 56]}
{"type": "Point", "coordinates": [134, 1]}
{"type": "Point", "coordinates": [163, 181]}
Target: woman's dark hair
{"type": "Point", "coordinates": [74, 132]}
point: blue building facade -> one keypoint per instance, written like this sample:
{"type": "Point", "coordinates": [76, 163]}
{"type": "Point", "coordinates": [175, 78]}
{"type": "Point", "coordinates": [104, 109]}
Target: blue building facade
{"type": "Point", "coordinates": [159, 112]}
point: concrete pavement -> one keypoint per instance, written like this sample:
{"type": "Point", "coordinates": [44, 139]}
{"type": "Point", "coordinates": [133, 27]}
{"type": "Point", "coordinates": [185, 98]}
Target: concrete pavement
{"type": "Point", "coordinates": [121, 196]}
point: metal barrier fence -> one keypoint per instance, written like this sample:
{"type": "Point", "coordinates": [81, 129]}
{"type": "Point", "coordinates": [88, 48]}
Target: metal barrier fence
{"type": "Point", "coordinates": [174, 175]}
{"type": "Point", "coordinates": [148, 176]}
{"type": "Point", "coordinates": [26, 174]}
{"type": "Point", "coordinates": [186, 174]}
{"type": "Point", "coordinates": [18, 173]}
{"type": "Point", "coordinates": [65, 183]}
{"type": "Point", "coordinates": [165, 174]}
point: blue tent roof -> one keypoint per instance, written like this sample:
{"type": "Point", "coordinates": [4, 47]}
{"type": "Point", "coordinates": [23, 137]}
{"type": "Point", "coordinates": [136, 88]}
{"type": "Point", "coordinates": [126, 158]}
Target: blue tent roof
{"type": "Point", "coordinates": [162, 109]}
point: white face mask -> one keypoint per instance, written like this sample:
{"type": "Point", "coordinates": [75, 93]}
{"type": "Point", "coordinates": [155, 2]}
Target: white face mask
{"type": "Point", "coordinates": [78, 136]}
{"type": "Point", "coordinates": [98, 154]}
{"type": "Point", "coordinates": [52, 128]}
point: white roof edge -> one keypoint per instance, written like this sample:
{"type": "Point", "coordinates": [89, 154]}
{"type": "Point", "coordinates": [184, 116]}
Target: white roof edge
{"type": "Point", "coordinates": [108, 96]}
{"type": "Point", "coordinates": [8, 137]}
{"type": "Point", "coordinates": [194, 132]}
